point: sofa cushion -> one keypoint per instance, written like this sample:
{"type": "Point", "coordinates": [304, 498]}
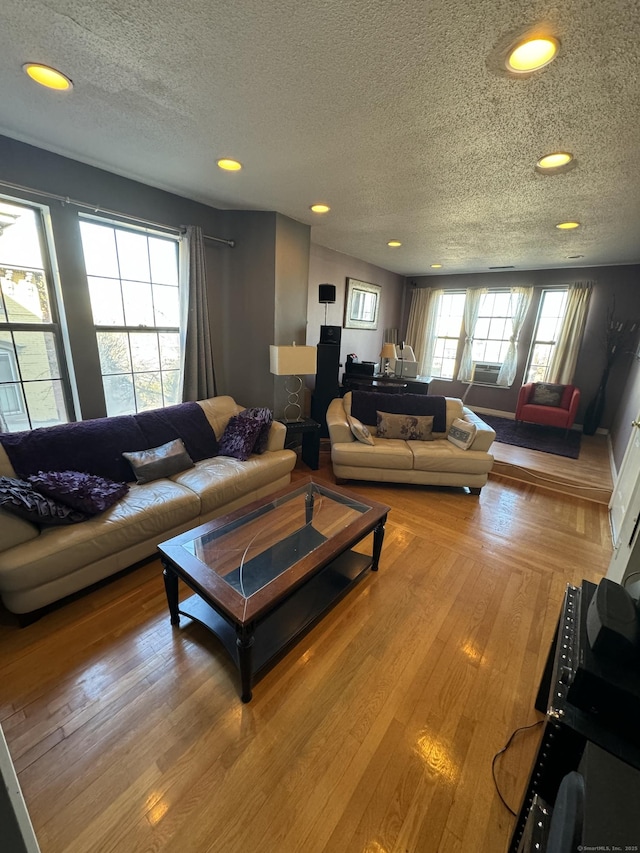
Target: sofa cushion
{"type": "Point", "coordinates": [94, 446]}
{"type": "Point", "coordinates": [444, 457]}
{"type": "Point", "coordinates": [264, 417]}
{"type": "Point", "coordinates": [21, 498]}
{"type": "Point", "coordinates": [390, 453]}
{"type": "Point", "coordinates": [224, 479]}
{"type": "Point", "coordinates": [462, 433]}
{"type": "Point", "coordinates": [359, 431]}
{"type": "Point", "coordinates": [186, 421]}
{"type": "Point", "coordinates": [157, 462]}
{"type": "Point", "coordinates": [365, 404]}
{"type": "Point", "coordinates": [416, 427]}
{"type": "Point", "coordinates": [145, 512]}
{"type": "Point", "coordinates": [86, 493]}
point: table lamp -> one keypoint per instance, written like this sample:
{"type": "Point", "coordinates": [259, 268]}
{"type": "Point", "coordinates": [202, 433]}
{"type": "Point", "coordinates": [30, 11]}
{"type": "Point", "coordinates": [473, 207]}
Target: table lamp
{"type": "Point", "coordinates": [292, 362]}
{"type": "Point", "coordinates": [388, 351]}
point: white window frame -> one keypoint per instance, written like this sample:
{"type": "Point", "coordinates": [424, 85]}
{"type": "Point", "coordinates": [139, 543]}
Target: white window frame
{"type": "Point", "coordinates": [439, 352]}
{"type": "Point", "coordinates": [539, 342]}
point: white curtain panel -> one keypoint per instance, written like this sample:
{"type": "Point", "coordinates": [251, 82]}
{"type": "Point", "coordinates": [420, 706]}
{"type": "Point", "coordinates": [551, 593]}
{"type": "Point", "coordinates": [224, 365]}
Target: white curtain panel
{"type": "Point", "coordinates": [519, 301]}
{"type": "Point", "coordinates": [198, 376]}
{"type": "Point", "coordinates": [423, 314]}
{"type": "Point", "coordinates": [471, 309]}
{"type": "Point", "coordinates": [565, 353]}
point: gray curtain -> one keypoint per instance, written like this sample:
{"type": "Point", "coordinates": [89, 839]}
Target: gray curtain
{"type": "Point", "coordinates": [198, 375]}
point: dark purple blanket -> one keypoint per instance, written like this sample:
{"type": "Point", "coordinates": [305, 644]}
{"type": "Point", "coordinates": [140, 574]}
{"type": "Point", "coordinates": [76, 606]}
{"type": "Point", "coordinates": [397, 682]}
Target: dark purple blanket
{"type": "Point", "coordinates": [186, 421]}
{"type": "Point", "coordinates": [94, 447]}
{"type": "Point", "coordinates": [365, 404]}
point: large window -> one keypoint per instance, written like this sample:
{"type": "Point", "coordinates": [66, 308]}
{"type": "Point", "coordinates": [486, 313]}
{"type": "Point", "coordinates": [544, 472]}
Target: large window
{"type": "Point", "coordinates": [553, 304]}
{"type": "Point", "coordinates": [133, 283]}
{"type": "Point", "coordinates": [33, 385]}
{"type": "Point", "coordinates": [447, 329]}
{"type": "Point", "coordinates": [491, 335]}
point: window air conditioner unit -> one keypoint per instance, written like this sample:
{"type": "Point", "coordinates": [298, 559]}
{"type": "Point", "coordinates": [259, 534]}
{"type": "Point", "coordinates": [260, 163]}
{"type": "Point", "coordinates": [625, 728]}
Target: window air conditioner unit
{"type": "Point", "coordinates": [485, 373]}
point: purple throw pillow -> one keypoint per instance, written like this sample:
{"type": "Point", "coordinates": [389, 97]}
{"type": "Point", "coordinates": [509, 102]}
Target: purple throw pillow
{"type": "Point", "coordinates": [86, 493]}
{"type": "Point", "coordinates": [265, 418]}
{"type": "Point", "coordinates": [239, 437]}
{"type": "Point", "coordinates": [20, 498]}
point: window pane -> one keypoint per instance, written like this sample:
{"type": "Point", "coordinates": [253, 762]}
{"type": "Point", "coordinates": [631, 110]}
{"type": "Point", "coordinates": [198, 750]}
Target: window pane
{"type": "Point", "coordinates": [37, 357]}
{"type": "Point", "coordinates": [138, 307]}
{"type": "Point", "coordinates": [482, 328]}
{"type": "Point", "coordinates": [106, 301]}
{"type": "Point", "coordinates": [13, 409]}
{"type": "Point", "coordinates": [492, 352]}
{"type": "Point", "coordinates": [20, 240]}
{"type": "Point", "coordinates": [144, 351]}
{"type": "Point", "coordinates": [114, 352]}
{"type": "Point", "coordinates": [45, 403]}
{"type": "Point", "coordinates": [166, 305]}
{"type": "Point", "coordinates": [164, 262]}
{"type": "Point", "coordinates": [99, 247]}
{"type": "Point", "coordinates": [498, 329]}
{"type": "Point", "coordinates": [169, 351]}
{"type": "Point", "coordinates": [148, 390]}
{"type": "Point", "coordinates": [133, 255]}
{"type": "Point", "coordinates": [118, 392]}
{"type": "Point", "coordinates": [547, 329]}
{"type": "Point", "coordinates": [25, 296]}
{"type": "Point", "coordinates": [171, 386]}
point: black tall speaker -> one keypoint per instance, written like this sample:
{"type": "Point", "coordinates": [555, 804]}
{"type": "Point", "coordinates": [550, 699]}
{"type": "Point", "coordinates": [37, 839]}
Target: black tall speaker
{"type": "Point", "coordinates": [330, 334]}
{"type": "Point", "coordinates": [327, 385]}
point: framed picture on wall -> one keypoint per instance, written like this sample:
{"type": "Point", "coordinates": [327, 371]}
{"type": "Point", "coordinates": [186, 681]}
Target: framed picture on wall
{"type": "Point", "coordinates": [362, 305]}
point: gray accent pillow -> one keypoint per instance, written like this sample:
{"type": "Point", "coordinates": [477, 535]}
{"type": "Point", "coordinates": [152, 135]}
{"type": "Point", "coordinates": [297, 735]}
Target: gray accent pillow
{"type": "Point", "coordinates": [547, 394]}
{"type": "Point", "coordinates": [158, 462]}
{"type": "Point", "coordinates": [360, 431]}
{"type": "Point", "coordinates": [408, 427]}
{"type": "Point", "coordinates": [462, 433]}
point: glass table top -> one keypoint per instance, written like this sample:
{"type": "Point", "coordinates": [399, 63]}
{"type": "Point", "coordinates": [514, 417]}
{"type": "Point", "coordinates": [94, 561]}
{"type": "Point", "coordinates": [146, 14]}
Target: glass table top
{"type": "Point", "coordinates": [250, 552]}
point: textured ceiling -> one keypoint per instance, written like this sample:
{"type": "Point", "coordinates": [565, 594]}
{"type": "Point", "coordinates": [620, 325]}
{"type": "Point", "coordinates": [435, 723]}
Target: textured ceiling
{"type": "Point", "coordinates": [385, 109]}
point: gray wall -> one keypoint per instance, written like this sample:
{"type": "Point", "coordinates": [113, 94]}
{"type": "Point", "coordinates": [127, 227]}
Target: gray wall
{"type": "Point", "coordinates": [329, 267]}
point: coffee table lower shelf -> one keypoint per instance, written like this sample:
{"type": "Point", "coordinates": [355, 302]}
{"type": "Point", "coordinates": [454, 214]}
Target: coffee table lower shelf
{"type": "Point", "coordinates": [275, 633]}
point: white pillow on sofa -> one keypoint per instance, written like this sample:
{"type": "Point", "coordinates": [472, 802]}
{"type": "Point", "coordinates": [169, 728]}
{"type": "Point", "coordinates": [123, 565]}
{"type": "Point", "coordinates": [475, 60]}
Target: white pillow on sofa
{"type": "Point", "coordinates": [360, 431]}
{"type": "Point", "coordinates": [462, 433]}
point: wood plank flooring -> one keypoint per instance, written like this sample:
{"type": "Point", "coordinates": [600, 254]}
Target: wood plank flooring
{"type": "Point", "coordinates": [374, 735]}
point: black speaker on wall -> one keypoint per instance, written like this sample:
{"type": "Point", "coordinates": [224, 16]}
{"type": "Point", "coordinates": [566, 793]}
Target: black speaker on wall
{"type": "Point", "coordinates": [330, 334]}
{"type": "Point", "coordinates": [327, 385]}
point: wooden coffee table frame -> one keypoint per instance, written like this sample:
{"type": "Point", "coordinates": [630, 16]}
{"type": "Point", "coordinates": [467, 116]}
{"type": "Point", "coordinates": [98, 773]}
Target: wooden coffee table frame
{"type": "Point", "coordinates": [259, 630]}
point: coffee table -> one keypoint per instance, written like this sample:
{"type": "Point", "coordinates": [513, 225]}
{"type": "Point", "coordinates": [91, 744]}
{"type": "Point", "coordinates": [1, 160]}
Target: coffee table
{"type": "Point", "coordinates": [265, 574]}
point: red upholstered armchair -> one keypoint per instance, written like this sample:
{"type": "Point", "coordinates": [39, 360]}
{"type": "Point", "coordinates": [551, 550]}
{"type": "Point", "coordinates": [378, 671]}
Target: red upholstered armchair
{"type": "Point", "coordinates": [530, 407]}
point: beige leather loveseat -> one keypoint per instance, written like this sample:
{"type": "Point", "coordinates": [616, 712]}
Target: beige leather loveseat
{"type": "Point", "coordinates": [437, 462]}
{"type": "Point", "coordinates": [42, 565]}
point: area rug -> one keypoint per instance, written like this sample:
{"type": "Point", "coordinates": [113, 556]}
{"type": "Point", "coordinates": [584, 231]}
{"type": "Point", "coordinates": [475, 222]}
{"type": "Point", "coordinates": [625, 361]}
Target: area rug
{"type": "Point", "coordinates": [535, 437]}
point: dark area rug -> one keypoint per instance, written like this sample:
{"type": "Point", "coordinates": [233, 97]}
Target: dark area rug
{"type": "Point", "coordinates": [535, 437]}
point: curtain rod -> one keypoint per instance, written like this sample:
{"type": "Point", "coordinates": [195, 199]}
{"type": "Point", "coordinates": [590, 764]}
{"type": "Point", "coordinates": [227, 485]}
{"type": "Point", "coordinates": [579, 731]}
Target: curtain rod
{"type": "Point", "coordinates": [96, 208]}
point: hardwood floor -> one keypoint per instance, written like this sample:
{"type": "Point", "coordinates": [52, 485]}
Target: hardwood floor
{"type": "Point", "coordinates": [374, 735]}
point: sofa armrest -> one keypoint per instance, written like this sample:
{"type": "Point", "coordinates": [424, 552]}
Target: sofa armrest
{"type": "Point", "coordinates": [339, 429]}
{"type": "Point", "coordinates": [485, 435]}
{"type": "Point", "coordinates": [277, 436]}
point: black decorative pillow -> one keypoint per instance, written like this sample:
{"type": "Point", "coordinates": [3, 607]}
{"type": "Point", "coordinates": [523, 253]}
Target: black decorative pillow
{"type": "Point", "coordinates": [86, 493]}
{"type": "Point", "coordinates": [408, 427]}
{"type": "Point", "coordinates": [265, 418]}
{"type": "Point", "coordinates": [547, 394]}
{"type": "Point", "coordinates": [20, 498]}
{"type": "Point", "coordinates": [158, 462]}
{"type": "Point", "coordinates": [239, 437]}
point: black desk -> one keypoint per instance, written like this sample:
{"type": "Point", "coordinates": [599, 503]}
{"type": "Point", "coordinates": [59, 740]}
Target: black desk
{"type": "Point", "coordinates": [310, 432]}
{"type": "Point", "coordinates": [390, 384]}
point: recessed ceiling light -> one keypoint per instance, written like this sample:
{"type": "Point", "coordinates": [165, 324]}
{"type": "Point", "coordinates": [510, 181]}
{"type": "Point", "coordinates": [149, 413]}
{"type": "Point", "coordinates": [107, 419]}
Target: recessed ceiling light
{"type": "Point", "coordinates": [229, 165]}
{"type": "Point", "coordinates": [394, 244]}
{"type": "Point", "coordinates": [436, 266]}
{"type": "Point", "coordinates": [532, 54]}
{"type": "Point", "coordinates": [46, 76]}
{"type": "Point", "coordinates": [555, 163]}
{"type": "Point", "coordinates": [320, 208]}
{"type": "Point", "coordinates": [574, 257]}
{"type": "Point", "coordinates": [567, 226]}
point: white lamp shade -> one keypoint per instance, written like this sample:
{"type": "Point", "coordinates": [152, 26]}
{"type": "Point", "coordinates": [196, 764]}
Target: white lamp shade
{"type": "Point", "coordinates": [292, 361]}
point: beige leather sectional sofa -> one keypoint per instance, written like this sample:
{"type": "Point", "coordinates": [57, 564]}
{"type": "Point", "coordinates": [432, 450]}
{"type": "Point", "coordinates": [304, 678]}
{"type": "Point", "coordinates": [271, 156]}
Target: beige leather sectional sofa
{"type": "Point", "coordinates": [433, 463]}
{"type": "Point", "coordinates": [42, 565]}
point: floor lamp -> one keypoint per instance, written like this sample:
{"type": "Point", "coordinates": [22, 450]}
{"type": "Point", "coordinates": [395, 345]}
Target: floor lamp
{"type": "Point", "coordinates": [292, 362]}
